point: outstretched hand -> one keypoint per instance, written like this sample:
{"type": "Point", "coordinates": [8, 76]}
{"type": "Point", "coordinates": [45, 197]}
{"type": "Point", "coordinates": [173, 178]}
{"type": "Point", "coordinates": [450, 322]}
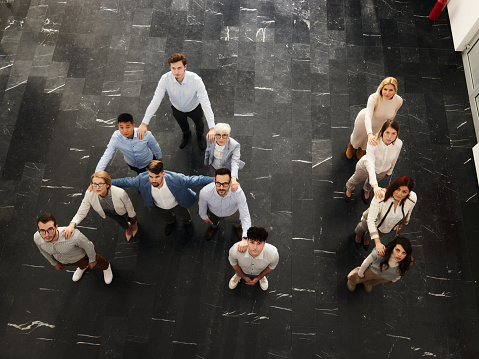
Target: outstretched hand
{"type": "Point", "coordinates": [142, 130]}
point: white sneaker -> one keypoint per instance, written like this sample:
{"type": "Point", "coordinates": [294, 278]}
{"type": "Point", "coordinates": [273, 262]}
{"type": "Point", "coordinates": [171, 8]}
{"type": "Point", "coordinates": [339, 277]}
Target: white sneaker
{"type": "Point", "coordinates": [234, 281]}
{"type": "Point", "coordinates": [78, 274]}
{"type": "Point", "coordinates": [108, 275]}
{"type": "Point", "coordinates": [263, 283]}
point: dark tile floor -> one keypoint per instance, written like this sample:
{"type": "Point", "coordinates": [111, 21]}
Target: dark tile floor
{"type": "Point", "coordinates": [289, 77]}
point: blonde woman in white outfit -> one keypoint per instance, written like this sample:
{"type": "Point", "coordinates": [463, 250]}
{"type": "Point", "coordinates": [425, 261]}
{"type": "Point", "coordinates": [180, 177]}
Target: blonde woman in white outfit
{"type": "Point", "coordinates": [382, 105]}
{"type": "Point", "coordinates": [378, 162]}
{"type": "Point", "coordinates": [108, 201]}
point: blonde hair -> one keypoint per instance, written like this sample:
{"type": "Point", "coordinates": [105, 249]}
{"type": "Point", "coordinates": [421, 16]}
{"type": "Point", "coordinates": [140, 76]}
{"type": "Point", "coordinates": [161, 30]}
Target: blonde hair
{"type": "Point", "coordinates": [104, 175]}
{"type": "Point", "coordinates": [386, 81]}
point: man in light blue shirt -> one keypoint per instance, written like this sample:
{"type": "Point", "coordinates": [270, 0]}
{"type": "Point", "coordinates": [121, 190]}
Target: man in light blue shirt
{"type": "Point", "coordinates": [217, 201]}
{"type": "Point", "coordinates": [136, 152]}
{"type": "Point", "coordinates": [188, 98]}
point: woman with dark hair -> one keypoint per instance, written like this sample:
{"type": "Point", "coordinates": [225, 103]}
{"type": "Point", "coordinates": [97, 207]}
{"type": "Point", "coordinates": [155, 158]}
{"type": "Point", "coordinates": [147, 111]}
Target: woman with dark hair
{"type": "Point", "coordinates": [385, 215]}
{"type": "Point", "coordinates": [390, 268]}
{"type": "Point", "coordinates": [382, 105]}
{"type": "Point", "coordinates": [108, 201]}
{"type": "Point", "coordinates": [378, 162]}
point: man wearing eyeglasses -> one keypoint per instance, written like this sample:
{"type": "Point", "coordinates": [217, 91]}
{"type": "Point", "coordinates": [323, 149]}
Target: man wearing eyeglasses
{"type": "Point", "coordinates": [61, 252]}
{"type": "Point", "coordinates": [170, 192]}
{"type": "Point", "coordinates": [217, 201]}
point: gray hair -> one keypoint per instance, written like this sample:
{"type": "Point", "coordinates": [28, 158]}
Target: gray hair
{"type": "Point", "coordinates": [222, 127]}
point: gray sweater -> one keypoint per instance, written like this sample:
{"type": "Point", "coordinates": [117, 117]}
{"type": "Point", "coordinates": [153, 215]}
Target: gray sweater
{"type": "Point", "coordinates": [66, 251]}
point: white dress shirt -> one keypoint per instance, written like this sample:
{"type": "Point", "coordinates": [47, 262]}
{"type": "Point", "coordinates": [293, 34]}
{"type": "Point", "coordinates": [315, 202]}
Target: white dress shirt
{"type": "Point", "coordinates": [381, 158]}
{"type": "Point", "coordinates": [185, 97]}
{"type": "Point", "coordinates": [162, 197]}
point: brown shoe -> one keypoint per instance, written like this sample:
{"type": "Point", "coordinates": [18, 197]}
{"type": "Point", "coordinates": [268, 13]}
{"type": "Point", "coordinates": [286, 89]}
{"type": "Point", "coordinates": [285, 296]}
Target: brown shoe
{"type": "Point", "coordinates": [359, 153]}
{"type": "Point", "coordinates": [210, 232]}
{"type": "Point", "coordinates": [128, 234]}
{"type": "Point", "coordinates": [134, 229]}
{"type": "Point", "coordinates": [350, 151]}
{"type": "Point", "coordinates": [239, 232]}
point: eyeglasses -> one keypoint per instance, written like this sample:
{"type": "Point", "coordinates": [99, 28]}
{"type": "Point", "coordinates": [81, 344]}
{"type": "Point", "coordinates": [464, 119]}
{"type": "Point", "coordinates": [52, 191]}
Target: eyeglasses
{"type": "Point", "coordinates": [98, 184]}
{"type": "Point", "coordinates": [45, 231]}
{"type": "Point", "coordinates": [224, 136]}
{"type": "Point", "coordinates": [219, 184]}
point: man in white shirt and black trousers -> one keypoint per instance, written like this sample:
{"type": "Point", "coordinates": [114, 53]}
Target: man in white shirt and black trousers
{"type": "Point", "coordinates": [188, 98]}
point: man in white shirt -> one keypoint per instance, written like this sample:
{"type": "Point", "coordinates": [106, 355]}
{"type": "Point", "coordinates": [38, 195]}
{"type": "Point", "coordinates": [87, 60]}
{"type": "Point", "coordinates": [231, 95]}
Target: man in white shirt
{"type": "Point", "coordinates": [188, 98]}
{"type": "Point", "coordinates": [253, 265]}
{"type": "Point", "coordinates": [217, 201]}
{"type": "Point", "coordinates": [170, 192]}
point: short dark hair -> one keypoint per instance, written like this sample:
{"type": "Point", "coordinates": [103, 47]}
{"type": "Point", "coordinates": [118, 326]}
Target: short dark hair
{"type": "Point", "coordinates": [125, 117]}
{"type": "Point", "coordinates": [47, 217]}
{"type": "Point", "coordinates": [177, 57]}
{"type": "Point", "coordinates": [398, 182]}
{"type": "Point", "coordinates": [257, 234]}
{"type": "Point", "coordinates": [155, 166]}
{"type": "Point", "coordinates": [223, 171]}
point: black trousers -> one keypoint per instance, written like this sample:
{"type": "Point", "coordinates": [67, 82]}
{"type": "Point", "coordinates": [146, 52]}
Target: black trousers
{"type": "Point", "coordinates": [196, 115]}
{"type": "Point", "coordinates": [141, 170]}
{"type": "Point", "coordinates": [169, 214]}
{"type": "Point", "coordinates": [121, 220]}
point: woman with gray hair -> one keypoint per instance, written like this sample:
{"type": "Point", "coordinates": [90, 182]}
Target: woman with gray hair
{"type": "Point", "coordinates": [224, 152]}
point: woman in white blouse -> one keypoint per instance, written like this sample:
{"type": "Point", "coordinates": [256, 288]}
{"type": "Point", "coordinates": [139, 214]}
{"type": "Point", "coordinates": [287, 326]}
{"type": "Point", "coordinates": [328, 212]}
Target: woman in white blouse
{"type": "Point", "coordinates": [108, 201]}
{"type": "Point", "coordinates": [378, 162]}
{"type": "Point", "coordinates": [224, 152]}
{"type": "Point", "coordinates": [377, 269]}
{"type": "Point", "coordinates": [382, 105]}
{"type": "Point", "coordinates": [385, 215]}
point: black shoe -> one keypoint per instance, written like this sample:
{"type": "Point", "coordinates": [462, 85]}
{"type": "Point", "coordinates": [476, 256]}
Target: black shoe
{"type": "Point", "coordinates": [201, 142]}
{"type": "Point", "coordinates": [184, 140]}
{"type": "Point", "coordinates": [346, 198]}
{"type": "Point", "coordinates": [189, 228]}
{"type": "Point", "coordinates": [358, 245]}
{"type": "Point", "coordinates": [366, 246]}
{"type": "Point", "coordinates": [169, 228]}
{"type": "Point", "coordinates": [210, 232]}
{"type": "Point", "coordinates": [365, 200]}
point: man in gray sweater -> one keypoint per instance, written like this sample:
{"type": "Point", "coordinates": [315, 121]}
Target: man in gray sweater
{"type": "Point", "coordinates": [61, 252]}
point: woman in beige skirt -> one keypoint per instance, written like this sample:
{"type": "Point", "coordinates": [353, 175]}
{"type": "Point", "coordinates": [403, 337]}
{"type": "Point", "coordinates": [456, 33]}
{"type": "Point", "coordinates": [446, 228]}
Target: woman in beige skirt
{"type": "Point", "coordinates": [382, 105]}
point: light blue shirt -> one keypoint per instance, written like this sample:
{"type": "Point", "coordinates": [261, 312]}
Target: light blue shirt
{"type": "Point", "coordinates": [185, 97]}
{"type": "Point", "coordinates": [224, 206]}
{"type": "Point", "coordinates": [135, 151]}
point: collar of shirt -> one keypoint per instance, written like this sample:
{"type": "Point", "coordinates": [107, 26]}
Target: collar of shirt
{"type": "Point", "coordinates": [123, 138]}
{"type": "Point", "coordinates": [259, 256]}
{"type": "Point", "coordinates": [216, 194]}
{"type": "Point", "coordinates": [173, 79]}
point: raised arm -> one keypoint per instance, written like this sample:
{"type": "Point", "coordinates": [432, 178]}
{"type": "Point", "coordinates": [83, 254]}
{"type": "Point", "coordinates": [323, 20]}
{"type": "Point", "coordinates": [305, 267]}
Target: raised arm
{"type": "Point", "coordinates": [80, 215]}
{"type": "Point", "coordinates": [366, 263]}
{"type": "Point", "coordinates": [372, 100]}
{"type": "Point", "coordinates": [127, 182]}
{"type": "Point", "coordinates": [152, 107]}
{"type": "Point", "coordinates": [373, 230]}
{"type": "Point", "coordinates": [107, 155]}
{"type": "Point", "coordinates": [206, 106]}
